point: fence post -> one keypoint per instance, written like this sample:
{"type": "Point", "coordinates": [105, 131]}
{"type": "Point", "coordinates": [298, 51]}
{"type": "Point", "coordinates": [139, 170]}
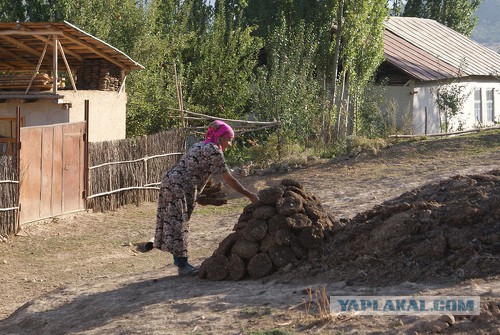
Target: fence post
{"type": "Point", "coordinates": [18, 168]}
{"type": "Point", "coordinates": [86, 191]}
{"type": "Point", "coordinates": [425, 129]}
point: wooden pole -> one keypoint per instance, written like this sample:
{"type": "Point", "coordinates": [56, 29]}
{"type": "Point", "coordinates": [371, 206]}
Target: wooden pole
{"type": "Point", "coordinates": [37, 67]}
{"type": "Point", "coordinates": [18, 167]}
{"type": "Point", "coordinates": [179, 97]}
{"type": "Point", "coordinates": [54, 65]}
{"type": "Point", "coordinates": [67, 66]}
{"type": "Point", "coordinates": [425, 130]}
{"type": "Point", "coordinates": [86, 170]}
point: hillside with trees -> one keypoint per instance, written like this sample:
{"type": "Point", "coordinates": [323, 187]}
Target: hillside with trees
{"type": "Point", "coordinates": [487, 31]}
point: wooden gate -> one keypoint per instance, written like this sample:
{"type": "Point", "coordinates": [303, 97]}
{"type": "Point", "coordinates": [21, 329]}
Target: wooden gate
{"type": "Point", "coordinates": [52, 170]}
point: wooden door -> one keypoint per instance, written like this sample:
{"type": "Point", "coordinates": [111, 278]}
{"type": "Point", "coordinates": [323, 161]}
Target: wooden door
{"type": "Point", "coordinates": [52, 170]}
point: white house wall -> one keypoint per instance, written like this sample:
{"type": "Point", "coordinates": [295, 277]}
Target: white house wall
{"type": "Point", "coordinates": [400, 98]}
{"type": "Point", "coordinates": [425, 96]}
{"type": "Point", "coordinates": [426, 119]}
{"type": "Point", "coordinates": [107, 116]}
{"type": "Point", "coordinates": [483, 86]}
{"type": "Point", "coordinates": [418, 101]}
{"type": "Point", "coordinates": [36, 113]}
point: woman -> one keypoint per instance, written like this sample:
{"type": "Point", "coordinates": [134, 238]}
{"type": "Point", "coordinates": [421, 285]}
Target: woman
{"type": "Point", "coordinates": [181, 186]}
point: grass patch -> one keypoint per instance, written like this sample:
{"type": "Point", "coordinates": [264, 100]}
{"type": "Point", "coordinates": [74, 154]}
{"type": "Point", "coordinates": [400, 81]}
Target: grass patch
{"type": "Point", "coordinates": [270, 332]}
{"type": "Point", "coordinates": [233, 206]}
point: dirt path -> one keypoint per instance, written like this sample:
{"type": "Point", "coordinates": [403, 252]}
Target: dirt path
{"type": "Point", "coordinates": [83, 274]}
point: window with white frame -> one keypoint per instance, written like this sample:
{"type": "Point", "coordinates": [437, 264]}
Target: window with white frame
{"type": "Point", "coordinates": [490, 107]}
{"type": "Point", "coordinates": [478, 117]}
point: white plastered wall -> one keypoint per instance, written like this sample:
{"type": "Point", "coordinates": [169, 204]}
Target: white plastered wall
{"type": "Point", "coordinates": [425, 97]}
{"type": "Point", "coordinates": [107, 112]}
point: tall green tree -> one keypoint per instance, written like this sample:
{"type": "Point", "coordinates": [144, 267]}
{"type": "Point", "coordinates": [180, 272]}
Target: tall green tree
{"type": "Point", "coordinates": [456, 14]}
{"type": "Point", "coordinates": [357, 53]}
{"type": "Point", "coordinates": [169, 41]}
{"type": "Point", "coordinates": [33, 10]}
{"type": "Point", "coordinates": [286, 89]}
{"type": "Point", "coordinates": [218, 76]}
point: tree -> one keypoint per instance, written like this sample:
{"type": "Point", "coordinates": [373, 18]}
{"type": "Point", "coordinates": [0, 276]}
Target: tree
{"type": "Point", "coordinates": [168, 41]}
{"type": "Point", "coordinates": [361, 54]}
{"type": "Point", "coordinates": [286, 89]}
{"type": "Point", "coordinates": [218, 76]}
{"type": "Point", "coordinates": [33, 10]}
{"type": "Point", "coordinates": [459, 15]}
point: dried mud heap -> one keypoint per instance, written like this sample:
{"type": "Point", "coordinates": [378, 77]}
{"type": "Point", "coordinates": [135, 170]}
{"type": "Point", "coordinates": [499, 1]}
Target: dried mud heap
{"type": "Point", "coordinates": [285, 227]}
{"type": "Point", "coordinates": [441, 231]}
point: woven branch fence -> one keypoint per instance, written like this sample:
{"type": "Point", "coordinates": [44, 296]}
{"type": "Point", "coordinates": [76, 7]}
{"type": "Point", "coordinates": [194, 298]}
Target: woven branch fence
{"type": "Point", "coordinates": [9, 196]}
{"type": "Point", "coordinates": [129, 171]}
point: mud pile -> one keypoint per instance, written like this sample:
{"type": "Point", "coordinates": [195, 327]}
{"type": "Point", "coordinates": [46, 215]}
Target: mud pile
{"type": "Point", "coordinates": [286, 227]}
{"type": "Point", "coordinates": [440, 232]}
{"type": "Point", "coordinates": [443, 231]}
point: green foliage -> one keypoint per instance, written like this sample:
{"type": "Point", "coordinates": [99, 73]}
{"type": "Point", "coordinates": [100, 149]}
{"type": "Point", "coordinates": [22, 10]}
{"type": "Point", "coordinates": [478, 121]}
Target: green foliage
{"type": "Point", "coordinates": [33, 10]}
{"type": "Point", "coordinates": [278, 148]}
{"type": "Point", "coordinates": [223, 61]}
{"type": "Point", "coordinates": [234, 58]}
{"type": "Point", "coordinates": [286, 89]}
{"type": "Point", "coordinates": [450, 100]}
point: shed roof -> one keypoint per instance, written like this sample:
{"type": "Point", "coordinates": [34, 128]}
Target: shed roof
{"type": "Point", "coordinates": [22, 45]}
{"type": "Point", "coordinates": [428, 50]}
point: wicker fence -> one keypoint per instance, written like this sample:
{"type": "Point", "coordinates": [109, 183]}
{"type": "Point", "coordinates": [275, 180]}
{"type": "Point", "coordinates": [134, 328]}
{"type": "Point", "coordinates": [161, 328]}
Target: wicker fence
{"type": "Point", "coordinates": [120, 172]}
{"type": "Point", "coordinates": [9, 196]}
{"type": "Point", "coordinates": [129, 171]}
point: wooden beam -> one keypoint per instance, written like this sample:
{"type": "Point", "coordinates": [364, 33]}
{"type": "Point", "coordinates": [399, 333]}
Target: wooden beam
{"type": "Point", "coordinates": [31, 96]}
{"type": "Point", "coordinates": [30, 33]}
{"type": "Point", "coordinates": [67, 65]}
{"type": "Point", "coordinates": [54, 65]}
{"type": "Point", "coordinates": [92, 49]}
{"type": "Point", "coordinates": [67, 51]}
{"type": "Point", "coordinates": [13, 55]}
{"type": "Point", "coordinates": [21, 45]}
{"type": "Point", "coordinates": [37, 67]}
{"type": "Point", "coordinates": [7, 65]}
{"type": "Point", "coordinates": [45, 39]}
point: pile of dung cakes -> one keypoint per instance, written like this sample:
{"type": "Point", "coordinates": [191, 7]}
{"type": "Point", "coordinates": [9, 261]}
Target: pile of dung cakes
{"type": "Point", "coordinates": [279, 231]}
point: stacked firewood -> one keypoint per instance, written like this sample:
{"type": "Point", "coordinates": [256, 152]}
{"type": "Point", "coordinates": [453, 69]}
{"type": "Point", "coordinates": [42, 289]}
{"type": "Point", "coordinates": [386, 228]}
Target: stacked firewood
{"type": "Point", "coordinates": [20, 81]}
{"type": "Point", "coordinates": [98, 74]}
{"type": "Point", "coordinates": [285, 227]}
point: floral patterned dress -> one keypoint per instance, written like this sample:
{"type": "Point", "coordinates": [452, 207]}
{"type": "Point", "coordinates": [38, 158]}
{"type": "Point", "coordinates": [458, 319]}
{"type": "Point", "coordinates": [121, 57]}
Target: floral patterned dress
{"type": "Point", "coordinates": [178, 192]}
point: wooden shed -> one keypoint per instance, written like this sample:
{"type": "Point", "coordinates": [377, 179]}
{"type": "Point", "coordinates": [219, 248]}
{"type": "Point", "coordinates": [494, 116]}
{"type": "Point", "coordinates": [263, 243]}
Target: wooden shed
{"type": "Point", "coordinates": [60, 88]}
{"type": "Point", "coordinates": [50, 69]}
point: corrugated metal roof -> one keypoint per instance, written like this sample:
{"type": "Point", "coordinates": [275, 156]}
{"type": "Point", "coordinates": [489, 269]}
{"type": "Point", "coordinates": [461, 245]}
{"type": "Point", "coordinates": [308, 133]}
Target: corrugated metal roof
{"type": "Point", "coordinates": [22, 44]}
{"type": "Point", "coordinates": [428, 50]}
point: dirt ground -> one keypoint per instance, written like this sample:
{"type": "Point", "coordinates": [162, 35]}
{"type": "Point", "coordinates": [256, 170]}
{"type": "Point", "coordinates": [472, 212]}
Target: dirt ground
{"type": "Point", "coordinates": [86, 274]}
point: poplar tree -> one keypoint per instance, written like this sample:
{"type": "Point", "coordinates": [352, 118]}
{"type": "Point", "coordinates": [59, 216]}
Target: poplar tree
{"type": "Point", "coordinates": [218, 75]}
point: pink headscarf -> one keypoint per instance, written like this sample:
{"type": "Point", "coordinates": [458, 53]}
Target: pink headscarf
{"type": "Point", "coordinates": [216, 130]}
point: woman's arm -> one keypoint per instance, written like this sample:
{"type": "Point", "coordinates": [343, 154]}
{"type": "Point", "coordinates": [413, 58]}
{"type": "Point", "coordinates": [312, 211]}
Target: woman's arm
{"type": "Point", "coordinates": [236, 185]}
